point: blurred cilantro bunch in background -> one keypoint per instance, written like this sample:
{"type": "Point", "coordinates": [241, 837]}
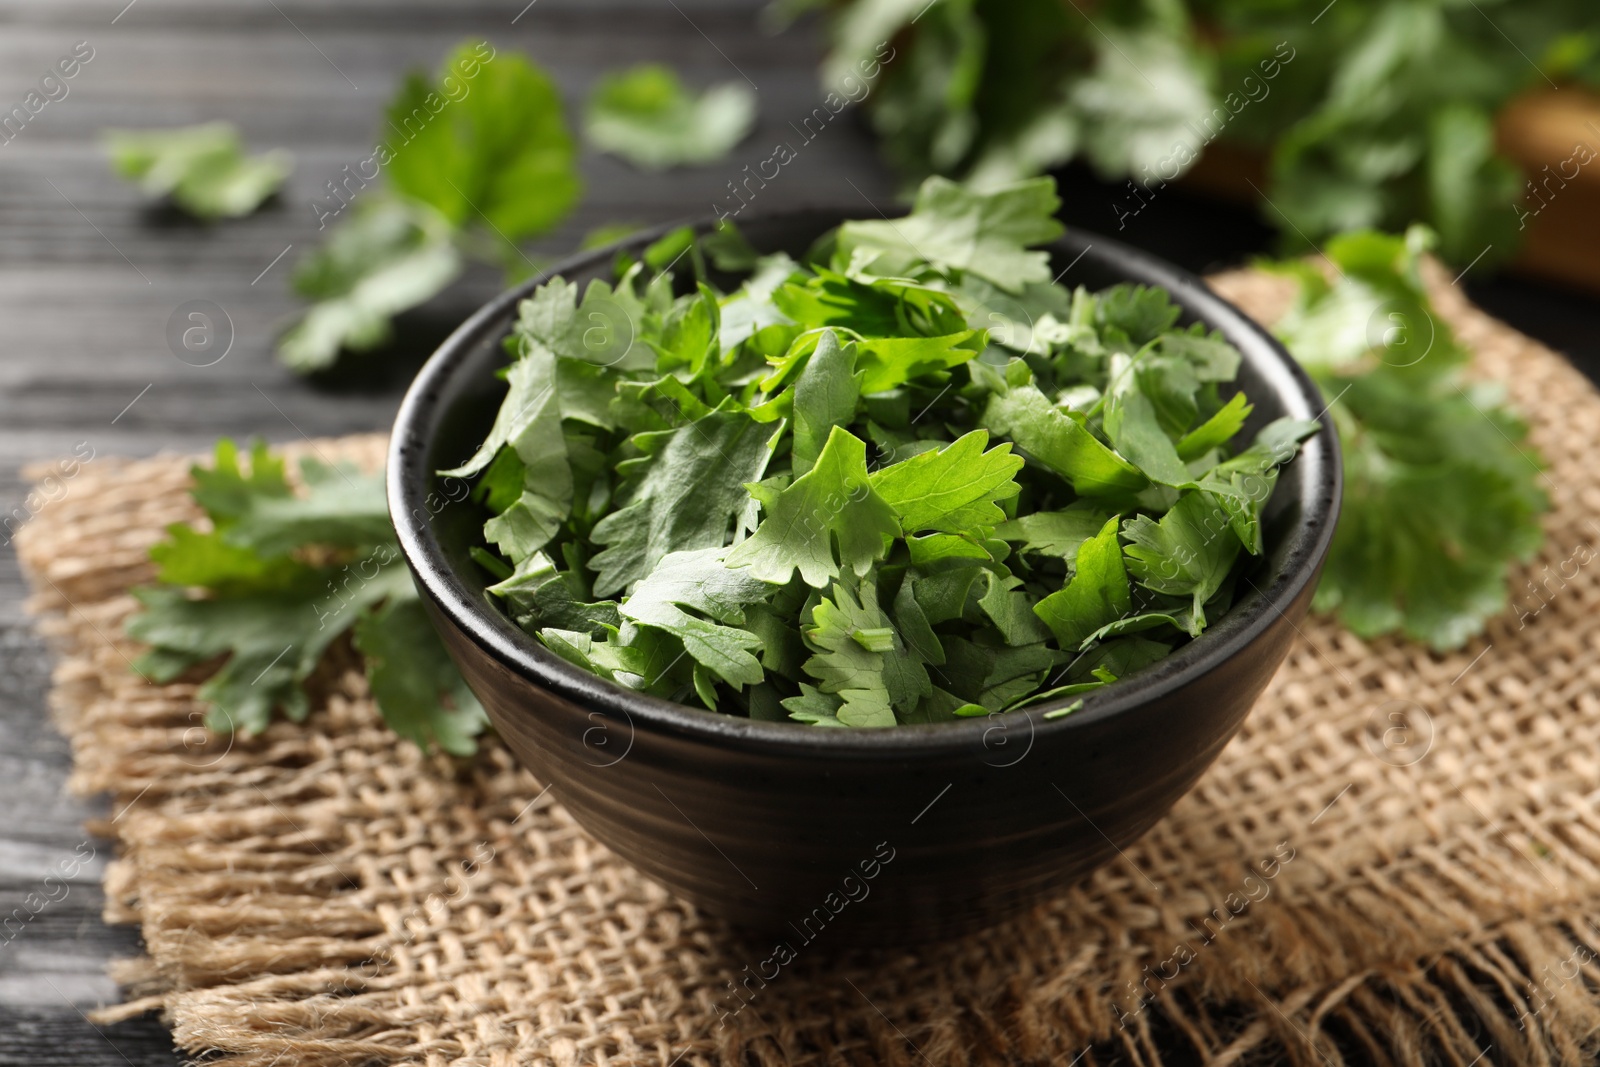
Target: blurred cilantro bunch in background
{"type": "Point", "coordinates": [470, 164]}
{"type": "Point", "coordinates": [1371, 113]}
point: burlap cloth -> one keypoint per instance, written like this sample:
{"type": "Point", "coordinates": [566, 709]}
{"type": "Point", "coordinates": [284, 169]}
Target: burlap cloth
{"type": "Point", "coordinates": [326, 894]}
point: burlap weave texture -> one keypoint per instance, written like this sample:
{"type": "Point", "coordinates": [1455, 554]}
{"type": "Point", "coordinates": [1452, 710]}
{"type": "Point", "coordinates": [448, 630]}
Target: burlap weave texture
{"type": "Point", "coordinates": [1331, 892]}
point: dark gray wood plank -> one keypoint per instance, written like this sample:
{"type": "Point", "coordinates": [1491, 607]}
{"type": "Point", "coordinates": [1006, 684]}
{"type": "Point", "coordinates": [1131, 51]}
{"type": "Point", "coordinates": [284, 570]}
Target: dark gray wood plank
{"type": "Point", "coordinates": [65, 1038]}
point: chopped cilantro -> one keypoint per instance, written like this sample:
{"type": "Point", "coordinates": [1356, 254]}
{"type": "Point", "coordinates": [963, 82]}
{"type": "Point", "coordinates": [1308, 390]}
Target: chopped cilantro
{"type": "Point", "coordinates": [951, 228]}
{"type": "Point", "coordinates": [832, 507]}
{"type": "Point", "coordinates": [826, 496]}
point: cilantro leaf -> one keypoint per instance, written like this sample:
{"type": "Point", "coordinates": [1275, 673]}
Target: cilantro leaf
{"type": "Point", "coordinates": [825, 395]}
{"type": "Point", "coordinates": [750, 310]}
{"type": "Point", "coordinates": [953, 489]}
{"type": "Point", "coordinates": [540, 596]}
{"type": "Point", "coordinates": [817, 708]}
{"type": "Point", "coordinates": [875, 307]}
{"type": "Point", "coordinates": [226, 489]}
{"type": "Point", "coordinates": [1061, 441]}
{"type": "Point", "coordinates": [646, 116]}
{"type": "Point", "coordinates": [1243, 485]}
{"type": "Point", "coordinates": [691, 493]}
{"type": "Point", "coordinates": [641, 658]}
{"type": "Point", "coordinates": [600, 330]}
{"type": "Point", "coordinates": [339, 507]}
{"type": "Point", "coordinates": [1426, 543]}
{"type": "Point", "coordinates": [953, 228]}
{"type": "Point", "coordinates": [1378, 308]}
{"type": "Point", "coordinates": [1096, 595]}
{"type": "Point", "coordinates": [1442, 490]}
{"type": "Point", "coordinates": [1444, 497]}
{"type": "Point", "coordinates": [1217, 430]}
{"type": "Point", "coordinates": [834, 502]}
{"type": "Point", "coordinates": [1055, 533]}
{"type": "Point", "coordinates": [1010, 608]}
{"type": "Point", "coordinates": [688, 338]}
{"type": "Point", "coordinates": [887, 362]}
{"type": "Point", "coordinates": [202, 168]}
{"type": "Point", "coordinates": [280, 576]}
{"type": "Point", "coordinates": [993, 678]}
{"type": "Point", "coordinates": [387, 257]}
{"type": "Point", "coordinates": [1187, 553]}
{"type": "Point", "coordinates": [476, 160]}
{"type": "Point", "coordinates": [273, 641]}
{"type": "Point", "coordinates": [194, 557]}
{"type": "Point", "coordinates": [1387, 114]}
{"type": "Point", "coordinates": [423, 697]}
{"type": "Point", "coordinates": [861, 659]}
{"type": "Point", "coordinates": [702, 582]}
{"type": "Point", "coordinates": [711, 475]}
{"type": "Point", "coordinates": [1134, 426]}
{"type": "Point", "coordinates": [529, 424]}
{"type": "Point", "coordinates": [1133, 115]}
{"type": "Point", "coordinates": [490, 147]}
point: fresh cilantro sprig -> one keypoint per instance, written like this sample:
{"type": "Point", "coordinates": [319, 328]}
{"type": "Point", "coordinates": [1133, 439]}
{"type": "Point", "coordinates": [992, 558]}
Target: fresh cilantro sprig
{"type": "Point", "coordinates": [203, 169]}
{"type": "Point", "coordinates": [909, 480]}
{"type": "Point", "coordinates": [1442, 490]}
{"type": "Point", "coordinates": [389, 256]}
{"type": "Point", "coordinates": [467, 165]}
{"type": "Point", "coordinates": [273, 579]}
{"type": "Point", "coordinates": [1371, 113]}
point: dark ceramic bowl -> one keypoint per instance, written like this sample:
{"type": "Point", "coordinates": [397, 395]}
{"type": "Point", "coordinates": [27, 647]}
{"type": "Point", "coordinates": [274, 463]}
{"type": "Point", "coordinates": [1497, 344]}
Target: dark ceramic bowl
{"type": "Point", "coordinates": [880, 835]}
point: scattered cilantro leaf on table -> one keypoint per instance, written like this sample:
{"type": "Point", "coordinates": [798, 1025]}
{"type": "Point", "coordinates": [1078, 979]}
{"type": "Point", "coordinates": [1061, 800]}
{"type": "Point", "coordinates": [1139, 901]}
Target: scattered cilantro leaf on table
{"type": "Point", "coordinates": [202, 168]}
{"type": "Point", "coordinates": [468, 164]}
{"type": "Point", "coordinates": [262, 590]}
{"type": "Point", "coordinates": [1442, 488]}
{"type": "Point", "coordinates": [646, 116]}
{"type": "Point", "coordinates": [388, 257]}
{"type": "Point", "coordinates": [499, 158]}
{"type": "Point", "coordinates": [416, 685]}
{"type": "Point", "coordinates": [830, 497]}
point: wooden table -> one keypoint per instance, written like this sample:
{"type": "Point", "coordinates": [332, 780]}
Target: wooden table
{"type": "Point", "coordinates": [89, 276]}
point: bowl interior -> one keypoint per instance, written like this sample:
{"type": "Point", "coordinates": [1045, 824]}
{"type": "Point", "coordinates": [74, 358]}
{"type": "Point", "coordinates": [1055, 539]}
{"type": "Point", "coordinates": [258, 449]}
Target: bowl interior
{"type": "Point", "coordinates": [454, 400]}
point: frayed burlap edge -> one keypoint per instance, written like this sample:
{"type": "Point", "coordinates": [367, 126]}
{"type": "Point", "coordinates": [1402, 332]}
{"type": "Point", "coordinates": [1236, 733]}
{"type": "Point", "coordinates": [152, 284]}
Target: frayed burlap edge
{"type": "Point", "coordinates": [325, 894]}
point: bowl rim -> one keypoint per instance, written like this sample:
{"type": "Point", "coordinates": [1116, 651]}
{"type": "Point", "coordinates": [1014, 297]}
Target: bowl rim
{"type": "Point", "coordinates": [408, 483]}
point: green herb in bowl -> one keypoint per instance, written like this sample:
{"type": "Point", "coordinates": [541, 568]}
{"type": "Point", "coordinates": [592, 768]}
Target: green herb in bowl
{"type": "Point", "coordinates": [910, 480]}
